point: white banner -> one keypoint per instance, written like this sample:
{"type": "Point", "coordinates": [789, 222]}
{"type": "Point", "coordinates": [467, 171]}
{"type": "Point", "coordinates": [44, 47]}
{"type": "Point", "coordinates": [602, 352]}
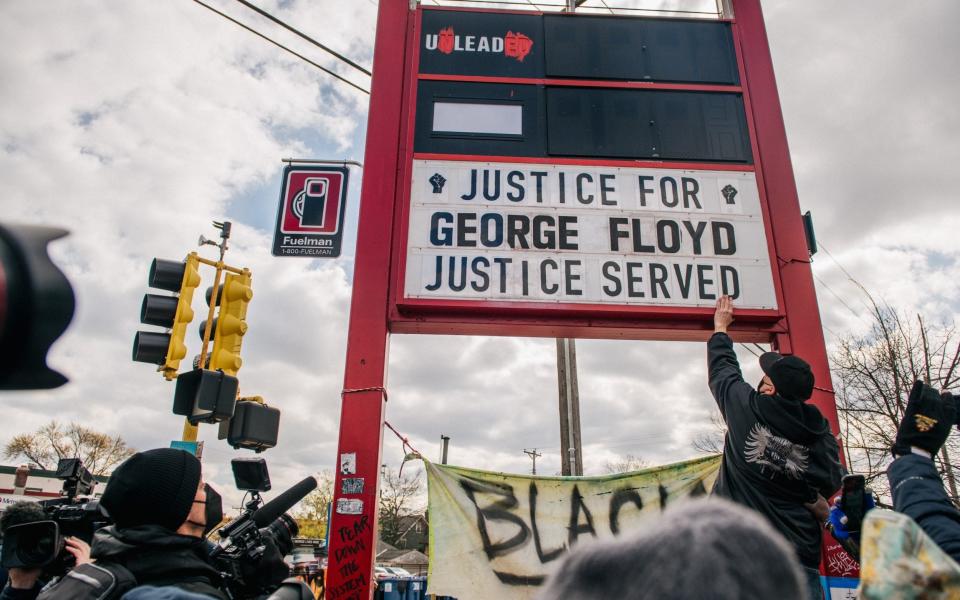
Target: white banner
{"type": "Point", "coordinates": [494, 535]}
{"type": "Point", "coordinates": [608, 235]}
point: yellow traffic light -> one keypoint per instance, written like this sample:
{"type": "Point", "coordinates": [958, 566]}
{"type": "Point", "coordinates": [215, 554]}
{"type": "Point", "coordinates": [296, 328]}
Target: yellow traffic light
{"type": "Point", "coordinates": [177, 349]}
{"type": "Point", "coordinates": [171, 312]}
{"type": "Point", "coordinates": [231, 323]}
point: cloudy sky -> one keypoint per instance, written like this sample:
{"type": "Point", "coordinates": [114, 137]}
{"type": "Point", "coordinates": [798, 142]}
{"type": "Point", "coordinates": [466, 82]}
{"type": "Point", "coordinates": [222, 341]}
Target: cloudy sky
{"type": "Point", "coordinates": [135, 124]}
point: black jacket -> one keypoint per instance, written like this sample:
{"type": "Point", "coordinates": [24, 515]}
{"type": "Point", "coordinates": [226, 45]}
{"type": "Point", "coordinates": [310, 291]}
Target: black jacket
{"type": "Point", "coordinates": [10, 593]}
{"type": "Point", "coordinates": [778, 453]}
{"type": "Point", "coordinates": [155, 556]}
{"type": "Point", "coordinates": [918, 493]}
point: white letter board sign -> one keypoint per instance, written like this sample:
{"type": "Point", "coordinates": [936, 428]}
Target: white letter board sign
{"type": "Point", "coordinates": [514, 232]}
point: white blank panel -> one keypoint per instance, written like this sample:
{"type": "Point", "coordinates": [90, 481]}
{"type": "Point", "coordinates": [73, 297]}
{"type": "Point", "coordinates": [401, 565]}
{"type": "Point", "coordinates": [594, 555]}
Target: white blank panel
{"type": "Point", "coordinates": [461, 117]}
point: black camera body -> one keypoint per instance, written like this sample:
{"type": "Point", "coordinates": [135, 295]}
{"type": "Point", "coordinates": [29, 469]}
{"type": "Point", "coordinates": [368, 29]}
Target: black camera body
{"type": "Point", "coordinates": [75, 514]}
{"type": "Point", "coordinates": [249, 556]}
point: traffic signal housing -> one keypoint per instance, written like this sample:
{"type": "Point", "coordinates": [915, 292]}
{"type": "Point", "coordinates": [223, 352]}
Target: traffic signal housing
{"type": "Point", "coordinates": [173, 313]}
{"type": "Point", "coordinates": [254, 425]}
{"type": "Point", "coordinates": [231, 323]}
{"type": "Point", "coordinates": [205, 396]}
{"type": "Point", "coordinates": [36, 305]}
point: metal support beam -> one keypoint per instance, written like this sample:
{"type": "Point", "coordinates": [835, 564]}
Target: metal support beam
{"type": "Point", "coordinates": [353, 522]}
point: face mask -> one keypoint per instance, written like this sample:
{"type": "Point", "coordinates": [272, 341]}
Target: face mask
{"type": "Point", "coordinates": [212, 509]}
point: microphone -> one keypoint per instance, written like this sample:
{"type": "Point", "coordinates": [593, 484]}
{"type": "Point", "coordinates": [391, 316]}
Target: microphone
{"type": "Point", "coordinates": [243, 531]}
{"type": "Point", "coordinates": [269, 512]}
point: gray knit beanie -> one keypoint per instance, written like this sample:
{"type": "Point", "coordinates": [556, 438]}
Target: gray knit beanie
{"type": "Point", "coordinates": [703, 549]}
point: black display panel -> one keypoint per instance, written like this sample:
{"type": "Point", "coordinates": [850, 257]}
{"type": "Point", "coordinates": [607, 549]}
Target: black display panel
{"type": "Point", "coordinates": [646, 124]}
{"type": "Point", "coordinates": [701, 126]}
{"type": "Point", "coordinates": [477, 43]}
{"type": "Point", "coordinates": [597, 122]}
{"type": "Point", "coordinates": [667, 50]}
{"type": "Point", "coordinates": [529, 141]}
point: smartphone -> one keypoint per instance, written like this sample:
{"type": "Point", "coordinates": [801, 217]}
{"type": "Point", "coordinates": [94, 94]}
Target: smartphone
{"type": "Point", "coordinates": [852, 501]}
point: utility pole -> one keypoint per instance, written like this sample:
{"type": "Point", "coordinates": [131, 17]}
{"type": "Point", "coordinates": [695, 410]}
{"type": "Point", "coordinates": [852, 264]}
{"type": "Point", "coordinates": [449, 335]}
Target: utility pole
{"type": "Point", "coordinates": [444, 443]}
{"type": "Point", "coordinates": [533, 454]}
{"type": "Point", "coordinates": [571, 455]}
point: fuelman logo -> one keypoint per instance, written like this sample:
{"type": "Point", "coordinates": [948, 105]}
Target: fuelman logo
{"type": "Point", "coordinates": [513, 45]}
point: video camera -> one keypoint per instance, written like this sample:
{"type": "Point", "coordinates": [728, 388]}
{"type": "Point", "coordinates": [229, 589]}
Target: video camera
{"type": "Point", "coordinates": [75, 513]}
{"type": "Point", "coordinates": [252, 546]}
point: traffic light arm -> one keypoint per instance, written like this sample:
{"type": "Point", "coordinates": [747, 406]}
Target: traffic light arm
{"type": "Point", "coordinates": [208, 326]}
{"type": "Point", "coordinates": [220, 264]}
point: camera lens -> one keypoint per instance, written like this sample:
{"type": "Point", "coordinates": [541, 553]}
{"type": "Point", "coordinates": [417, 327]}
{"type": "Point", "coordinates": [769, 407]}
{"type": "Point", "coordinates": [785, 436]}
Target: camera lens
{"type": "Point", "coordinates": [282, 531]}
{"type": "Point", "coordinates": [36, 543]}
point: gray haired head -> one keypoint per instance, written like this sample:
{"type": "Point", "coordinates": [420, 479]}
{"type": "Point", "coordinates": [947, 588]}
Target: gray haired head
{"type": "Point", "coordinates": [705, 549]}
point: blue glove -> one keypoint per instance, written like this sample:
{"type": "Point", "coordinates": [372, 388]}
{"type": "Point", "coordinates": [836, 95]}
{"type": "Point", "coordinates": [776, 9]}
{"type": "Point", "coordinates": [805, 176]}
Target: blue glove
{"type": "Point", "coordinates": [838, 518]}
{"type": "Point", "coordinates": [837, 522]}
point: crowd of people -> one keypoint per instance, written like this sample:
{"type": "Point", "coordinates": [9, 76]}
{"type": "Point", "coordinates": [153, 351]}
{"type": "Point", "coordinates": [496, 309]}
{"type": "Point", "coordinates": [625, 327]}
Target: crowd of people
{"type": "Point", "coordinates": [758, 536]}
{"type": "Point", "coordinates": [156, 548]}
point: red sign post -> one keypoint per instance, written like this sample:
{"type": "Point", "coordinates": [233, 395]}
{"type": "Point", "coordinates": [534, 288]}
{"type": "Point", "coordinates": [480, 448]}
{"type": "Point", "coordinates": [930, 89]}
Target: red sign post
{"type": "Point", "coordinates": [499, 224]}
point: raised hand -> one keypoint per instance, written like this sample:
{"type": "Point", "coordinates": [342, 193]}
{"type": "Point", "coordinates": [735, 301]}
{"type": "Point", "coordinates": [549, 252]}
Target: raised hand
{"type": "Point", "coordinates": [724, 314]}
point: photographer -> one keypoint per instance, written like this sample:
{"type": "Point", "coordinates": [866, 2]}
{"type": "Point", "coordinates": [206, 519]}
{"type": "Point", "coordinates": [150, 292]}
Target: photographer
{"type": "Point", "coordinates": [23, 583]}
{"type": "Point", "coordinates": [914, 482]}
{"type": "Point", "coordinates": [161, 509]}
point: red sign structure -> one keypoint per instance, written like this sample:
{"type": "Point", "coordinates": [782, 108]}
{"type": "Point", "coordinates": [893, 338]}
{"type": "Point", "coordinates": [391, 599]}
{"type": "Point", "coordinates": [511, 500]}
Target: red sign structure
{"type": "Point", "coordinates": [740, 230]}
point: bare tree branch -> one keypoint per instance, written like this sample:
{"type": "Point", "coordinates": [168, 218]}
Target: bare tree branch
{"type": "Point", "coordinates": [875, 371]}
{"type": "Point", "coordinates": [625, 464]}
{"type": "Point", "coordinates": [397, 495]}
{"type": "Point", "coordinates": [51, 442]}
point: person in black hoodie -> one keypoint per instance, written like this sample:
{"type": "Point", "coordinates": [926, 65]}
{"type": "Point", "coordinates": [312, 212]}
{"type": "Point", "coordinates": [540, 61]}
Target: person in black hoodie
{"type": "Point", "coordinates": [779, 456]}
{"type": "Point", "coordinates": [161, 509]}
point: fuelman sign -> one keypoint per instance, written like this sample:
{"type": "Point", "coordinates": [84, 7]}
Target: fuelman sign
{"type": "Point", "coordinates": [567, 233]}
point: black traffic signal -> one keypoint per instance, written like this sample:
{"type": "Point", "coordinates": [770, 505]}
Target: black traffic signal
{"type": "Point", "coordinates": [173, 313]}
{"type": "Point", "coordinates": [254, 425]}
{"type": "Point", "coordinates": [205, 396]}
{"type": "Point", "coordinates": [36, 305]}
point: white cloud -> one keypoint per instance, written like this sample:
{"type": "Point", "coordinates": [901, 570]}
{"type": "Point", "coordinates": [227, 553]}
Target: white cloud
{"type": "Point", "coordinates": [135, 124]}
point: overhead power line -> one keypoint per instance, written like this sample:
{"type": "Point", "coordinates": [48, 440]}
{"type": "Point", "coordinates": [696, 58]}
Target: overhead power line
{"type": "Point", "coordinates": [838, 297]}
{"type": "Point", "coordinates": [849, 276]}
{"type": "Point", "coordinates": [539, 4]}
{"type": "Point", "coordinates": [281, 46]}
{"type": "Point", "coordinates": [264, 13]}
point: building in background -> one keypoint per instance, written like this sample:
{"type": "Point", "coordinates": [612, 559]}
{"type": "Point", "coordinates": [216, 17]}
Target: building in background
{"type": "Point", "coordinates": [31, 483]}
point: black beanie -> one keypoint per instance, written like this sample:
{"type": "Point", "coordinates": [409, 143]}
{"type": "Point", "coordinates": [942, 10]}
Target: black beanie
{"type": "Point", "coordinates": [156, 487]}
{"type": "Point", "coordinates": [791, 375]}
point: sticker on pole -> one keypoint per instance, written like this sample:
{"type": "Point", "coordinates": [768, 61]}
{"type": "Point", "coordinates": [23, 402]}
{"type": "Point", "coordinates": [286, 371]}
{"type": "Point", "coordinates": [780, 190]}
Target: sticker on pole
{"type": "Point", "coordinates": [310, 218]}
